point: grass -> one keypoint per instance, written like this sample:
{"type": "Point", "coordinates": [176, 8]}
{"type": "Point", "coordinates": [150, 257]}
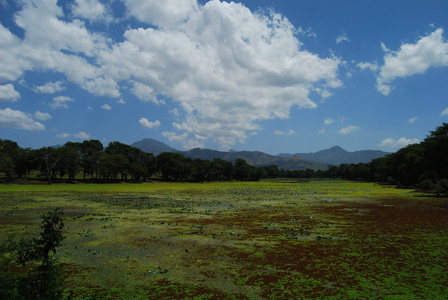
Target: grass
{"type": "Point", "coordinates": [241, 240]}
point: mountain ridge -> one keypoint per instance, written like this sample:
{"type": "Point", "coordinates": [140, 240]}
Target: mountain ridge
{"type": "Point", "coordinates": [298, 161]}
{"type": "Point", "coordinates": [337, 155]}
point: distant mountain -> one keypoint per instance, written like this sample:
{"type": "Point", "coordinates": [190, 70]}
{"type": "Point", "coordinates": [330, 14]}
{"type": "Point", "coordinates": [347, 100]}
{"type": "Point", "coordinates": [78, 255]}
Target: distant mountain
{"type": "Point", "coordinates": [153, 146]}
{"type": "Point", "coordinates": [336, 156]}
{"type": "Point", "coordinates": [254, 158]}
{"type": "Point", "coordinates": [257, 159]}
{"type": "Point", "coordinates": [298, 161]}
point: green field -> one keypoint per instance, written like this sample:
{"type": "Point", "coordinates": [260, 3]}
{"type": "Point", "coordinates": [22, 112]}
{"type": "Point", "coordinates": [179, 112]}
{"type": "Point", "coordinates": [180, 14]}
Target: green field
{"type": "Point", "coordinates": [263, 240]}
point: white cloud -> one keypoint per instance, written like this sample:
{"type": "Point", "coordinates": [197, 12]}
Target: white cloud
{"type": "Point", "coordinates": [144, 92]}
{"type": "Point", "coordinates": [92, 10]}
{"type": "Point", "coordinates": [102, 87]}
{"type": "Point", "coordinates": [61, 102]}
{"type": "Point", "coordinates": [226, 68]}
{"type": "Point", "coordinates": [82, 135]}
{"type": "Point", "coordinates": [11, 64]}
{"type": "Point", "coordinates": [106, 107]}
{"type": "Point", "coordinates": [444, 112]}
{"type": "Point", "coordinates": [368, 66]}
{"type": "Point", "coordinates": [342, 38]}
{"type": "Point", "coordinates": [396, 144]}
{"type": "Point", "coordinates": [410, 59]}
{"type": "Point", "coordinates": [63, 135]}
{"type": "Point", "coordinates": [50, 88]}
{"type": "Point", "coordinates": [19, 120]}
{"type": "Point", "coordinates": [349, 129]}
{"type": "Point", "coordinates": [322, 131]}
{"type": "Point", "coordinates": [412, 120]}
{"type": "Point", "coordinates": [289, 132]}
{"type": "Point", "coordinates": [8, 93]}
{"type": "Point", "coordinates": [329, 121]}
{"type": "Point", "coordinates": [165, 13]}
{"type": "Point", "coordinates": [50, 43]}
{"type": "Point", "coordinates": [42, 116]}
{"type": "Point", "coordinates": [145, 123]}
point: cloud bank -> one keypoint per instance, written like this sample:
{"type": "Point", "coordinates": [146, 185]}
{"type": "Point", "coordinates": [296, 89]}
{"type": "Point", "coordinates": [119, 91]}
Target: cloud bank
{"type": "Point", "coordinates": [225, 68]}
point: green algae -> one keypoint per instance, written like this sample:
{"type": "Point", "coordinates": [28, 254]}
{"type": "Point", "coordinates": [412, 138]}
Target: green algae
{"type": "Point", "coordinates": [263, 240]}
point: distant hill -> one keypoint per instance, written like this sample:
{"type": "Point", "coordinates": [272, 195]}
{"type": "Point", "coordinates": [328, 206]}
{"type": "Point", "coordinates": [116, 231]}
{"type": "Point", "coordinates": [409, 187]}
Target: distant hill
{"type": "Point", "coordinates": [153, 146]}
{"type": "Point", "coordinates": [336, 156]}
{"type": "Point", "coordinates": [298, 161]}
{"type": "Point", "coordinates": [254, 158]}
{"type": "Point", "coordinates": [257, 159]}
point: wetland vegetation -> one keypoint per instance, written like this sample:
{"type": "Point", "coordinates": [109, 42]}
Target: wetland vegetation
{"type": "Point", "coordinates": [239, 240]}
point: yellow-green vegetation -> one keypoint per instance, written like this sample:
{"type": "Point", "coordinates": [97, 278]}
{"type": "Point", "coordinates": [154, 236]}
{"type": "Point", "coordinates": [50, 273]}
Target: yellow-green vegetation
{"type": "Point", "coordinates": [240, 240]}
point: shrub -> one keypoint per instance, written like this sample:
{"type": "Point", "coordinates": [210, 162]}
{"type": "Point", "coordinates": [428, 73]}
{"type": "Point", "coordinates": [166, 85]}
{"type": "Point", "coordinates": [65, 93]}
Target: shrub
{"type": "Point", "coordinates": [41, 282]}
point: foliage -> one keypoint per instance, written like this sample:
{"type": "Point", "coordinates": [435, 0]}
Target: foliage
{"type": "Point", "coordinates": [423, 163]}
{"type": "Point", "coordinates": [43, 281]}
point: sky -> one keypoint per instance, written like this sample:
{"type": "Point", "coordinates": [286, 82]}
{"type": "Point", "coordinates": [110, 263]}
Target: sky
{"type": "Point", "coordinates": [280, 76]}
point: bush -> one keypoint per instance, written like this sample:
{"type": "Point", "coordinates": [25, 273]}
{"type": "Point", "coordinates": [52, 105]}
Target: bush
{"type": "Point", "coordinates": [426, 185]}
{"type": "Point", "coordinates": [42, 282]}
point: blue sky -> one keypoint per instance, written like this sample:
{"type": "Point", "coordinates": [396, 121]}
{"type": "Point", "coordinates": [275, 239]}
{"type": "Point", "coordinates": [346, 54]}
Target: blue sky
{"type": "Point", "coordinates": [274, 76]}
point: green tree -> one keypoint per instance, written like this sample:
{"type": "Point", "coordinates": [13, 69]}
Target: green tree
{"type": "Point", "coordinates": [9, 152]}
{"type": "Point", "coordinates": [435, 153]}
{"type": "Point", "coordinates": [90, 154]}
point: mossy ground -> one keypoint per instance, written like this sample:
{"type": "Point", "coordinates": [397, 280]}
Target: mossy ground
{"type": "Point", "coordinates": [264, 240]}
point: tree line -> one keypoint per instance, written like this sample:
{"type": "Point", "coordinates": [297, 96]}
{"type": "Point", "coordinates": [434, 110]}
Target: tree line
{"type": "Point", "coordinates": [90, 161]}
{"type": "Point", "coordinates": [423, 165]}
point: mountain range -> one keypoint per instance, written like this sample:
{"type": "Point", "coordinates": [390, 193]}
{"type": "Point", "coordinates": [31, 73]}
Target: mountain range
{"type": "Point", "coordinates": [336, 156]}
{"type": "Point", "coordinates": [298, 161]}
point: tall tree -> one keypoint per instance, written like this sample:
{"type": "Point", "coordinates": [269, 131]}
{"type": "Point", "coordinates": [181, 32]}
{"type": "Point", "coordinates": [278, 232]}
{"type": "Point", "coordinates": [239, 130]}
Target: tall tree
{"type": "Point", "coordinates": [91, 152]}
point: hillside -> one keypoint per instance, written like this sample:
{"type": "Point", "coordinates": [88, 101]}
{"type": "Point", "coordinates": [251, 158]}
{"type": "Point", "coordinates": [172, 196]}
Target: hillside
{"type": "Point", "coordinates": [153, 146]}
{"type": "Point", "coordinates": [336, 156]}
{"type": "Point", "coordinates": [254, 158]}
{"type": "Point", "coordinates": [298, 161]}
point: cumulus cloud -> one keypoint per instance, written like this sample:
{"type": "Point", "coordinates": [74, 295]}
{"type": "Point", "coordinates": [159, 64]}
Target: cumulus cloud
{"type": "Point", "coordinates": [61, 102]}
{"type": "Point", "coordinates": [42, 116]}
{"type": "Point", "coordinates": [410, 59]}
{"type": "Point", "coordinates": [82, 135]}
{"type": "Point", "coordinates": [227, 67]}
{"type": "Point", "coordinates": [224, 67]}
{"type": "Point", "coordinates": [444, 112]}
{"type": "Point", "coordinates": [349, 129]}
{"type": "Point", "coordinates": [164, 13]}
{"type": "Point", "coordinates": [16, 119]}
{"type": "Point", "coordinates": [92, 10]}
{"type": "Point", "coordinates": [289, 132]}
{"type": "Point", "coordinates": [145, 123]}
{"type": "Point", "coordinates": [144, 92]}
{"type": "Point", "coordinates": [50, 43]}
{"type": "Point", "coordinates": [368, 66]}
{"type": "Point", "coordinates": [393, 144]}
{"type": "Point", "coordinates": [8, 93]}
{"type": "Point", "coordinates": [106, 107]}
{"type": "Point", "coordinates": [50, 88]}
